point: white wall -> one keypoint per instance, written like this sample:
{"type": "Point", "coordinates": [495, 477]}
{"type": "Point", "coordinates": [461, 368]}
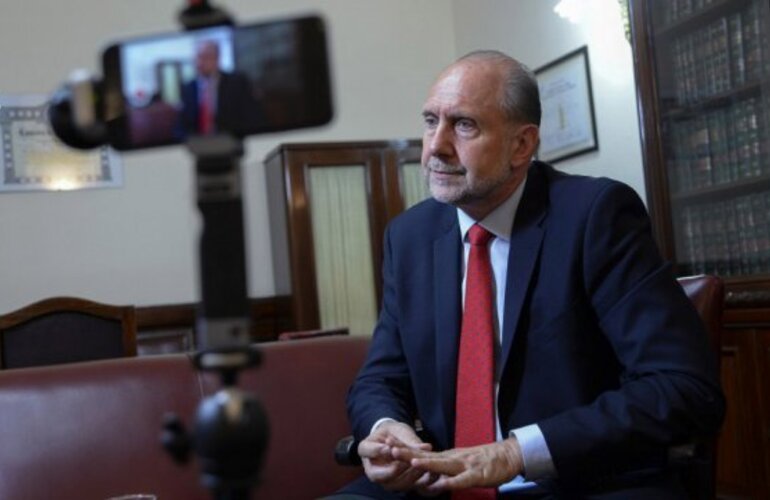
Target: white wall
{"type": "Point", "coordinates": [532, 32]}
{"type": "Point", "coordinates": [138, 244]}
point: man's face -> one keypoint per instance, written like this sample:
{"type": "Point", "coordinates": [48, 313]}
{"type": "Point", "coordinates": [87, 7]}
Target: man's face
{"type": "Point", "coordinates": [468, 143]}
{"type": "Point", "coordinates": [207, 59]}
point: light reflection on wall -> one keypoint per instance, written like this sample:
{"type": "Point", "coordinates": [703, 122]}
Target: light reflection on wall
{"type": "Point", "coordinates": [63, 184]}
{"type": "Point", "coordinates": [602, 24]}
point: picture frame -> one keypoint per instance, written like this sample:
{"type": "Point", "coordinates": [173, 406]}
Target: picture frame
{"type": "Point", "coordinates": [568, 125]}
{"type": "Point", "coordinates": [32, 158]}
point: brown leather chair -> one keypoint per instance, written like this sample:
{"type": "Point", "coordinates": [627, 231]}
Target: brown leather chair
{"type": "Point", "coordinates": [707, 295]}
{"type": "Point", "coordinates": [66, 330]}
{"type": "Point", "coordinates": [700, 461]}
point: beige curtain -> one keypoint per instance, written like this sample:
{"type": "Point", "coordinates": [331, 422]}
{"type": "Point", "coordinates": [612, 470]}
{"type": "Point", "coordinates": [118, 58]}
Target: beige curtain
{"type": "Point", "coordinates": [413, 184]}
{"type": "Point", "coordinates": [342, 244]}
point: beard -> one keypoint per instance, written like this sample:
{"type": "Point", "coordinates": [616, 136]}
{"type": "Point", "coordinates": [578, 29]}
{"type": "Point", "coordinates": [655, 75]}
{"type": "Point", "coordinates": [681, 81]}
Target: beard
{"type": "Point", "coordinates": [456, 186]}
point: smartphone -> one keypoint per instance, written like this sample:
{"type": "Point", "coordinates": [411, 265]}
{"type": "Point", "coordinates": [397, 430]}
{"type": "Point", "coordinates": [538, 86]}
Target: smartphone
{"type": "Point", "coordinates": [244, 80]}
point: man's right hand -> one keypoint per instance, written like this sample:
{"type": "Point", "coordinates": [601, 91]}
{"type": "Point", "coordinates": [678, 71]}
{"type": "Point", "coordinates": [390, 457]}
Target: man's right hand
{"type": "Point", "coordinates": [381, 467]}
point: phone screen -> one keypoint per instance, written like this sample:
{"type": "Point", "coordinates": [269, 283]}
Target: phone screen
{"type": "Point", "coordinates": [244, 80]}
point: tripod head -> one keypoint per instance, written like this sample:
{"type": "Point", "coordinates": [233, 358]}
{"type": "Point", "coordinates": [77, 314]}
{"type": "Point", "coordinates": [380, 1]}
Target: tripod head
{"type": "Point", "coordinates": [230, 433]}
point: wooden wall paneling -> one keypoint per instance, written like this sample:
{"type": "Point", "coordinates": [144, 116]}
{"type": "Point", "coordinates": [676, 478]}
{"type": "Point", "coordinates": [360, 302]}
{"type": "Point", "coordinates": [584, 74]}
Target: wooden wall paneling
{"type": "Point", "coordinates": [762, 351]}
{"type": "Point", "coordinates": [744, 447]}
{"type": "Point", "coordinates": [736, 465]}
{"type": "Point", "coordinates": [269, 317]}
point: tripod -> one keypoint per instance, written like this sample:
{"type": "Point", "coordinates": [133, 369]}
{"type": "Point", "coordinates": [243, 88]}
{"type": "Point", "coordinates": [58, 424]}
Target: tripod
{"type": "Point", "coordinates": [230, 432]}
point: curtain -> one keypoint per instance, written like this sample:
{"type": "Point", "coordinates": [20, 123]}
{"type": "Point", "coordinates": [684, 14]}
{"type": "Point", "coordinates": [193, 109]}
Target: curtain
{"type": "Point", "coordinates": [342, 244]}
{"type": "Point", "coordinates": [413, 184]}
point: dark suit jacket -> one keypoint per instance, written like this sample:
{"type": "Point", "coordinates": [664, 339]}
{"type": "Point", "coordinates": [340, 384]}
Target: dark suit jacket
{"type": "Point", "coordinates": [238, 111]}
{"type": "Point", "coordinates": [601, 348]}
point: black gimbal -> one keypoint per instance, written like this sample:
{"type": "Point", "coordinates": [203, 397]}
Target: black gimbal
{"type": "Point", "coordinates": [230, 432]}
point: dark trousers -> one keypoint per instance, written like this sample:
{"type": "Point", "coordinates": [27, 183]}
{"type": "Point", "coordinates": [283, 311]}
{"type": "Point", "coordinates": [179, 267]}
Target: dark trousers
{"type": "Point", "coordinates": [662, 486]}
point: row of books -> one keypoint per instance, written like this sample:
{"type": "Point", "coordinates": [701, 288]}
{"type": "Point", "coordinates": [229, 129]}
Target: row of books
{"type": "Point", "coordinates": [728, 238]}
{"type": "Point", "coordinates": [722, 55]}
{"type": "Point", "coordinates": [720, 146]}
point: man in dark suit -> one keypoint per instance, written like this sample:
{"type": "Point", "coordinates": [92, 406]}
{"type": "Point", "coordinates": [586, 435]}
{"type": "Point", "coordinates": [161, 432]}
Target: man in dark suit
{"type": "Point", "coordinates": [218, 101]}
{"type": "Point", "coordinates": [600, 362]}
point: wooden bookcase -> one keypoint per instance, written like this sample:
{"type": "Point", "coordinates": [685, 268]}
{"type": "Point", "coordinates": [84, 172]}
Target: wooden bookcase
{"type": "Point", "coordinates": [703, 82]}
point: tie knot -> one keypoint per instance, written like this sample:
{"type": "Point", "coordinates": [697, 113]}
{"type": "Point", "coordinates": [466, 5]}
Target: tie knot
{"type": "Point", "coordinates": [477, 235]}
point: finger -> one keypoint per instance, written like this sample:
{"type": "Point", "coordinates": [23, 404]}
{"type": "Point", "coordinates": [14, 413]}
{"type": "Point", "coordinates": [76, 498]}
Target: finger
{"type": "Point", "coordinates": [438, 465]}
{"type": "Point", "coordinates": [387, 473]}
{"type": "Point", "coordinates": [422, 485]}
{"type": "Point", "coordinates": [372, 449]}
{"type": "Point", "coordinates": [409, 477]}
{"type": "Point", "coordinates": [408, 454]}
{"type": "Point", "coordinates": [394, 441]}
{"type": "Point", "coordinates": [406, 480]}
{"type": "Point", "coordinates": [426, 479]}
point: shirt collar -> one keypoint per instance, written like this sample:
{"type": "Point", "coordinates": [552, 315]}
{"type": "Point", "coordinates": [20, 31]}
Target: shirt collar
{"type": "Point", "coordinates": [499, 221]}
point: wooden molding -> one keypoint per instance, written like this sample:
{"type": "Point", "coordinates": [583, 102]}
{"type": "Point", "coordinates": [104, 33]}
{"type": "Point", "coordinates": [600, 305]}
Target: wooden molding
{"type": "Point", "coordinates": [269, 317]}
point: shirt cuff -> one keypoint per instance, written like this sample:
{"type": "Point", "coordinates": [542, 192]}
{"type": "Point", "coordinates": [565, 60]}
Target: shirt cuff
{"type": "Point", "coordinates": [380, 421]}
{"type": "Point", "coordinates": [538, 463]}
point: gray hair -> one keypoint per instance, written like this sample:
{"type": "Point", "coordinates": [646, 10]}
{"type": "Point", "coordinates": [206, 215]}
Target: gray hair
{"type": "Point", "coordinates": [521, 97]}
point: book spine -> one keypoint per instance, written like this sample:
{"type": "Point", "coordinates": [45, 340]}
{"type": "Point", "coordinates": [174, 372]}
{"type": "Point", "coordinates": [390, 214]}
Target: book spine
{"type": "Point", "coordinates": [701, 149]}
{"type": "Point", "coordinates": [759, 210]}
{"type": "Point", "coordinates": [737, 61]}
{"type": "Point", "coordinates": [733, 238]}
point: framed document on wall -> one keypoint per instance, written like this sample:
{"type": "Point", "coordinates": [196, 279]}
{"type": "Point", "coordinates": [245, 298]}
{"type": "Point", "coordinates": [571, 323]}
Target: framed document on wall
{"type": "Point", "coordinates": [33, 159]}
{"type": "Point", "coordinates": [568, 126]}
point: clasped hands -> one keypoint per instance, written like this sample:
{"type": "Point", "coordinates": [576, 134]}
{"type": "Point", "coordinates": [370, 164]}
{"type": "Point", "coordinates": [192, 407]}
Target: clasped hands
{"type": "Point", "coordinates": [397, 459]}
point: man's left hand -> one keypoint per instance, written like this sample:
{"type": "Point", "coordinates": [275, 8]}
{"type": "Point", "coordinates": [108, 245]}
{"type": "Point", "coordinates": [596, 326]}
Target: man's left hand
{"type": "Point", "coordinates": [485, 466]}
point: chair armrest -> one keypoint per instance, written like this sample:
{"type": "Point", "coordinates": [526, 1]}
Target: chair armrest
{"type": "Point", "coordinates": [346, 451]}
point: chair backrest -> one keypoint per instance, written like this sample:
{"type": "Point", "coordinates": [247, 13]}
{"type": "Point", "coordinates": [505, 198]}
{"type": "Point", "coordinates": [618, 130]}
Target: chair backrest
{"type": "Point", "coordinates": [66, 330]}
{"type": "Point", "coordinates": [707, 295]}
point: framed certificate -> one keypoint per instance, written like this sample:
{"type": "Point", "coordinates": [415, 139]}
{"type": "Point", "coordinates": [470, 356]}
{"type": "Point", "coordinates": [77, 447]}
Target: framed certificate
{"type": "Point", "coordinates": [34, 159]}
{"type": "Point", "coordinates": [568, 127]}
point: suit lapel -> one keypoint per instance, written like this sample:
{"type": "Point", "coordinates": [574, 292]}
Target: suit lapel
{"type": "Point", "coordinates": [526, 239]}
{"type": "Point", "coordinates": [447, 309]}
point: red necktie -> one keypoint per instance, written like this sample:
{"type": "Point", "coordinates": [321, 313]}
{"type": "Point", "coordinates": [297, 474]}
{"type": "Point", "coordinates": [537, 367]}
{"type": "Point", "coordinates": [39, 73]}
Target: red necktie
{"type": "Point", "coordinates": [205, 121]}
{"type": "Point", "coordinates": [474, 403]}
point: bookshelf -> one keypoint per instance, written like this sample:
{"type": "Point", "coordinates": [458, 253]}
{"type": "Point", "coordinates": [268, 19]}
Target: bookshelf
{"type": "Point", "coordinates": [703, 82]}
{"type": "Point", "coordinates": [711, 68]}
